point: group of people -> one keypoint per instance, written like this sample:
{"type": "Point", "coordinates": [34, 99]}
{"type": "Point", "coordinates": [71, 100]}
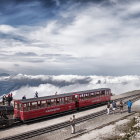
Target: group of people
{"type": "Point", "coordinates": [114, 106]}
{"type": "Point", "coordinates": [6, 99]}
{"type": "Point", "coordinates": [35, 96]}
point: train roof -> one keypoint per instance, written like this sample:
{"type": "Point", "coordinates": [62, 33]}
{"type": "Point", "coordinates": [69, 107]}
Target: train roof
{"type": "Point", "coordinates": [59, 95]}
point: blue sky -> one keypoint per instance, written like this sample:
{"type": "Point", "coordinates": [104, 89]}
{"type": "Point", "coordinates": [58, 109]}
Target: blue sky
{"type": "Point", "coordinates": [84, 37]}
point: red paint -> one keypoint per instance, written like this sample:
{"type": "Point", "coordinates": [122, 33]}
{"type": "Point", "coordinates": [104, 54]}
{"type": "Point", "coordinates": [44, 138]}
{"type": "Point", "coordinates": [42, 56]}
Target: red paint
{"type": "Point", "coordinates": [70, 101]}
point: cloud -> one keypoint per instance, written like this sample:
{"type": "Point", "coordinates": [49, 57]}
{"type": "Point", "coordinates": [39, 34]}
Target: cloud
{"type": "Point", "coordinates": [76, 37]}
{"type": "Point", "coordinates": [16, 65]}
{"type": "Point", "coordinates": [21, 84]}
{"type": "Point", "coordinates": [26, 54]}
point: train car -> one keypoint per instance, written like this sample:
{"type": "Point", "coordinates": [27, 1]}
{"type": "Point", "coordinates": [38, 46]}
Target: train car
{"type": "Point", "coordinates": [28, 109]}
{"type": "Point", "coordinates": [91, 97]}
{"type": "Point", "coordinates": [43, 106]}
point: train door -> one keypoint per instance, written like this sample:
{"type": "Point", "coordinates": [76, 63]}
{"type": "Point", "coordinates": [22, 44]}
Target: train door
{"type": "Point", "coordinates": [76, 101]}
{"type": "Point", "coordinates": [16, 109]}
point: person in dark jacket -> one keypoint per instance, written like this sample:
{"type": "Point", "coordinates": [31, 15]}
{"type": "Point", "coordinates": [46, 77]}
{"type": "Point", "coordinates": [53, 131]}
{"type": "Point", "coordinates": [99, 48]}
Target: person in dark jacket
{"type": "Point", "coordinates": [3, 100]}
{"type": "Point", "coordinates": [24, 97]}
{"type": "Point", "coordinates": [36, 94]}
{"type": "Point", "coordinates": [9, 99]}
{"type": "Point", "coordinates": [129, 105]}
{"type": "Point", "coordinates": [114, 106]}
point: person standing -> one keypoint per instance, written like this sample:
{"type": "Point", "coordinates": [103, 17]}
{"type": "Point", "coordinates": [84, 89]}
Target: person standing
{"type": "Point", "coordinates": [114, 106]}
{"type": "Point", "coordinates": [11, 95]}
{"type": "Point", "coordinates": [56, 93]}
{"type": "Point", "coordinates": [3, 100]}
{"type": "Point", "coordinates": [108, 108]}
{"type": "Point", "coordinates": [9, 99]}
{"type": "Point", "coordinates": [129, 105]}
{"type": "Point", "coordinates": [36, 94]}
{"type": "Point", "coordinates": [72, 123]}
{"type": "Point", "coordinates": [121, 106]}
{"type": "Point", "coordinates": [24, 97]}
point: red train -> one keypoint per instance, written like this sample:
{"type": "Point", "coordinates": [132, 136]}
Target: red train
{"type": "Point", "coordinates": [38, 107]}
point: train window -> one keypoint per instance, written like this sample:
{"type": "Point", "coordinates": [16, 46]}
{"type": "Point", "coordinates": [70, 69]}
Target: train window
{"type": "Point", "coordinates": [70, 99]}
{"type": "Point", "coordinates": [84, 96]}
{"type": "Point", "coordinates": [21, 107]}
{"type": "Point", "coordinates": [81, 96]}
{"type": "Point", "coordinates": [39, 104]}
{"type": "Point", "coordinates": [76, 96]}
{"type": "Point", "coordinates": [43, 103]}
{"type": "Point", "coordinates": [103, 92]}
{"type": "Point", "coordinates": [52, 102]}
{"type": "Point", "coordinates": [15, 105]}
{"type": "Point", "coordinates": [58, 101]}
{"type": "Point", "coordinates": [28, 106]}
{"type": "Point", "coordinates": [18, 106]}
{"type": "Point", "coordinates": [90, 95]}
{"type": "Point", "coordinates": [48, 103]}
{"type": "Point", "coordinates": [98, 94]}
{"type": "Point", "coordinates": [66, 99]}
{"type": "Point", "coordinates": [106, 92]}
{"type": "Point", "coordinates": [24, 106]}
{"type": "Point", "coordinates": [62, 100]}
{"type": "Point", "coordinates": [34, 105]}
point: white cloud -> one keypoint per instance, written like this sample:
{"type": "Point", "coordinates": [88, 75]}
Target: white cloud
{"type": "Point", "coordinates": [95, 35]}
{"type": "Point", "coordinates": [72, 83]}
{"type": "Point", "coordinates": [7, 29]}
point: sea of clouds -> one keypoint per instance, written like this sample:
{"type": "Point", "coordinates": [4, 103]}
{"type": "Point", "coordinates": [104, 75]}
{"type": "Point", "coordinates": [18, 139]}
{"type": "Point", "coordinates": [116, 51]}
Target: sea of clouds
{"type": "Point", "coordinates": [49, 84]}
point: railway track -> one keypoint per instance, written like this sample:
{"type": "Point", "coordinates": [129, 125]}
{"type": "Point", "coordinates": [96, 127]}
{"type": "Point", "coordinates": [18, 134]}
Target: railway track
{"type": "Point", "coordinates": [37, 132]}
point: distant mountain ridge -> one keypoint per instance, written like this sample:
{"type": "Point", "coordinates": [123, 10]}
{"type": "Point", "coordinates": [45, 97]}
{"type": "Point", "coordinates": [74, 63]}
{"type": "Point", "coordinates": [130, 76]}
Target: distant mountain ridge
{"type": "Point", "coordinates": [65, 83]}
{"type": "Point", "coordinates": [4, 74]}
{"type": "Point", "coordinates": [12, 83]}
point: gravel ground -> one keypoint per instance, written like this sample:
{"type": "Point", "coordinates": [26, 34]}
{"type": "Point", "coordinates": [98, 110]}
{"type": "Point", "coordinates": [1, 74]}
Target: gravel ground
{"type": "Point", "coordinates": [84, 127]}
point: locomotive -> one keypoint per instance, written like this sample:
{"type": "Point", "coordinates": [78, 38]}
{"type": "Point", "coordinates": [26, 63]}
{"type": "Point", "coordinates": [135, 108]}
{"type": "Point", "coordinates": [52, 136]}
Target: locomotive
{"type": "Point", "coordinates": [29, 109]}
